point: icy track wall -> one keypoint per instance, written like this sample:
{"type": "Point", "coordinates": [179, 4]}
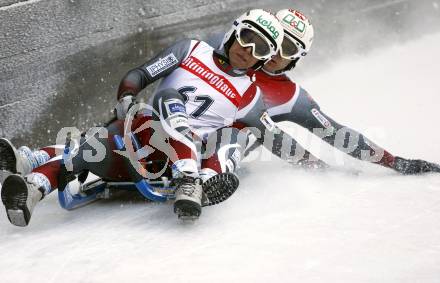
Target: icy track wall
{"type": "Point", "coordinates": [61, 60]}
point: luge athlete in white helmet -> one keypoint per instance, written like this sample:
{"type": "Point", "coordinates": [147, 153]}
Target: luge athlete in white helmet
{"type": "Point", "coordinates": [287, 101]}
{"type": "Point", "coordinates": [198, 98]}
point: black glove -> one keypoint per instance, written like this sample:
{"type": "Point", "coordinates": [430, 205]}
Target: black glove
{"type": "Point", "coordinates": [414, 166]}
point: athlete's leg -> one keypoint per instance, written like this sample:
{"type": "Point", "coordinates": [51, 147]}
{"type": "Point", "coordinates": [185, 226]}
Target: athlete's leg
{"type": "Point", "coordinates": [23, 160]}
{"type": "Point", "coordinates": [222, 155]}
{"type": "Point", "coordinates": [93, 152]}
{"type": "Point", "coordinates": [223, 151]}
{"type": "Point", "coordinates": [172, 135]}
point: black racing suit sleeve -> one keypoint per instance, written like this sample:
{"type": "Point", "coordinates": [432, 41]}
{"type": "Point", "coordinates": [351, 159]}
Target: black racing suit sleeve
{"type": "Point", "coordinates": [267, 133]}
{"type": "Point", "coordinates": [158, 67]}
{"type": "Point", "coordinates": [307, 113]}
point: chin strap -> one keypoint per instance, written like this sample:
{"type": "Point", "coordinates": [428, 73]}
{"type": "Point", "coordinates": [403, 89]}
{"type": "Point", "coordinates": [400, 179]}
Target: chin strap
{"type": "Point", "coordinates": [258, 65]}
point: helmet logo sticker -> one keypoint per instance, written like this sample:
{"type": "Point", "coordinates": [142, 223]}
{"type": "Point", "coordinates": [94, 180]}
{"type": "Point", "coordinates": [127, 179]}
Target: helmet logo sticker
{"type": "Point", "coordinates": [299, 25]}
{"type": "Point", "coordinates": [268, 25]}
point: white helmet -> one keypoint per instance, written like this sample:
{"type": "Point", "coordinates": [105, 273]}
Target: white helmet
{"type": "Point", "coordinates": [258, 29]}
{"type": "Point", "coordinates": [298, 34]}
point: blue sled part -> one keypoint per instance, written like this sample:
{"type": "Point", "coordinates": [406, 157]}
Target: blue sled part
{"type": "Point", "coordinates": [148, 192]}
{"type": "Point", "coordinates": [119, 142]}
{"type": "Point", "coordinates": [71, 201]}
{"type": "Point", "coordinates": [165, 191]}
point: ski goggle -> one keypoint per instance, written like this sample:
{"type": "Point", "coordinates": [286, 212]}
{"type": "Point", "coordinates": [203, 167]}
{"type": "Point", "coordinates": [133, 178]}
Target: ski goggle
{"type": "Point", "coordinates": [262, 48]}
{"type": "Point", "coordinates": [291, 48]}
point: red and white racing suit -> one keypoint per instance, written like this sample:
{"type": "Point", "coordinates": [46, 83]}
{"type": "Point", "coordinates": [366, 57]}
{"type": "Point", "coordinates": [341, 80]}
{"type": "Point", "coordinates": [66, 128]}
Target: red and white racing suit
{"type": "Point", "coordinates": [198, 99]}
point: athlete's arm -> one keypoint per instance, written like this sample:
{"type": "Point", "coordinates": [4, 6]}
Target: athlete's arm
{"type": "Point", "coordinates": [307, 113]}
{"type": "Point", "coordinates": [254, 116]}
{"type": "Point", "coordinates": [158, 67]}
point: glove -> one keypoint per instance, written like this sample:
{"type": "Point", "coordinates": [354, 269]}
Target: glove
{"type": "Point", "coordinates": [414, 166]}
{"type": "Point", "coordinates": [124, 104]}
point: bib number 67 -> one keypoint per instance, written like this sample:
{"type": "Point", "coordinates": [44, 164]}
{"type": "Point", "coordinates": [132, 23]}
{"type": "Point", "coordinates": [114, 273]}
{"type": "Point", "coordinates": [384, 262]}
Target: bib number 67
{"type": "Point", "coordinates": [204, 100]}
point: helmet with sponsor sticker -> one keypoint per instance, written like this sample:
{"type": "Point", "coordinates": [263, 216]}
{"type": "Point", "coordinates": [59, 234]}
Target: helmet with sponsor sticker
{"type": "Point", "coordinates": [298, 36]}
{"type": "Point", "coordinates": [258, 29]}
